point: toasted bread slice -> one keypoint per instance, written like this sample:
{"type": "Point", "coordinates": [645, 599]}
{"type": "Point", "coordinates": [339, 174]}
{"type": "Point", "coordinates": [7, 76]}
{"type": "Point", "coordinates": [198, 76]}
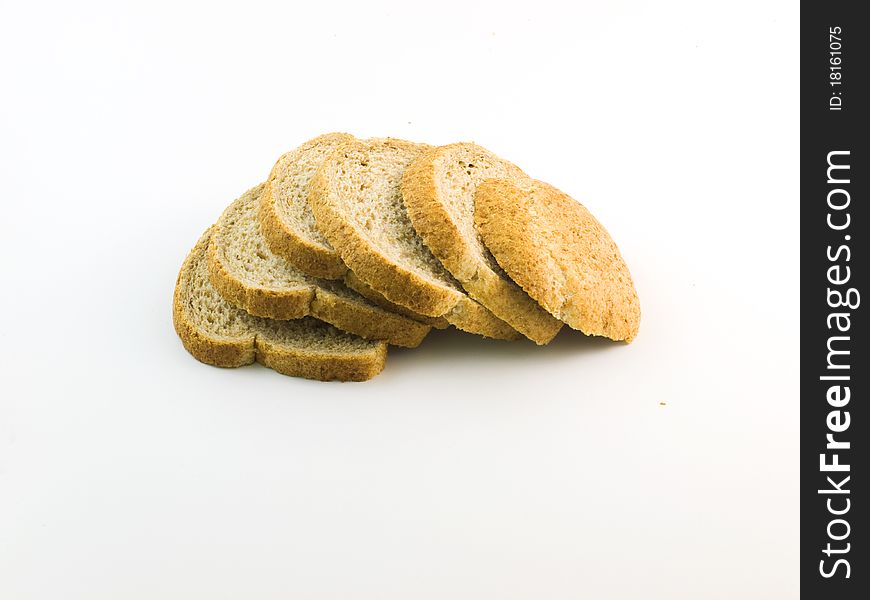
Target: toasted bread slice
{"type": "Point", "coordinates": [217, 333]}
{"type": "Point", "coordinates": [438, 191]}
{"type": "Point", "coordinates": [286, 220]}
{"type": "Point", "coordinates": [356, 200]}
{"type": "Point", "coordinates": [247, 274]}
{"type": "Point", "coordinates": [554, 248]}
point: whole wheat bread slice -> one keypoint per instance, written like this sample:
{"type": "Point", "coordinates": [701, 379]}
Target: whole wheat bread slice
{"type": "Point", "coordinates": [217, 333]}
{"type": "Point", "coordinates": [356, 200]}
{"type": "Point", "coordinates": [286, 219]}
{"type": "Point", "coordinates": [560, 254]}
{"type": "Point", "coordinates": [247, 274]}
{"type": "Point", "coordinates": [291, 232]}
{"type": "Point", "coordinates": [438, 191]}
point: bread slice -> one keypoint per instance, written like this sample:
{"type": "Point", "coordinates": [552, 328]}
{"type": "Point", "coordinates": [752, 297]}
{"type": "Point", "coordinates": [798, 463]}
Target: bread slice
{"type": "Point", "coordinates": [290, 230]}
{"type": "Point", "coordinates": [247, 274]}
{"type": "Point", "coordinates": [560, 254]}
{"type": "Point", "coordinates": [217, 333]}
{"type": "Point", "coordinates": [438, 191]}
{"type": "Point", "coordinates": [356, 200]}
{"type": "Point", "coordinates": [286, 220]}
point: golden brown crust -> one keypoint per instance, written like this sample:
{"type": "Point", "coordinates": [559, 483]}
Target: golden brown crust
{"type": "Point", "coordinates": [435, 224]}
{"type": "Point", "coordinates": [374, 324]}
{"type": "Point", "coordinates": [281, 304]}
{"type": "Point", "coordinates": [240, 350]}
{"type": "Point", "coordinates": [311, 364]}
{"type": "Point", "coordinates": [285, 242]}
{"type": "Point", "coordinates": [554, 248]}
{"type": "Point", "coordinates": [471, 317]}
{"type": "Point", "coordinates": [212, 350]}
{"type": "Point", "coordinates": [508, 299]}
{"type": "Point", "coordinates": [398, 284]}
{"type": "Point", "coordinates": [366, 291]}
{"type": "Point", "coordinates": [431, 219]}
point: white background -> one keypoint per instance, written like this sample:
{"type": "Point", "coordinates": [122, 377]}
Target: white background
{"type": "Point", "coordinates": [667, 468]}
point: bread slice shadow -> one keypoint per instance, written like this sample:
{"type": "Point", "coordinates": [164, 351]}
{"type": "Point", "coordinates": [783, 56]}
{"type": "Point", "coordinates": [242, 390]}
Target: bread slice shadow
{"type": "Point", "coordinates": [452, 346]}
{"type": "Point", "coordinates": [449, 348]}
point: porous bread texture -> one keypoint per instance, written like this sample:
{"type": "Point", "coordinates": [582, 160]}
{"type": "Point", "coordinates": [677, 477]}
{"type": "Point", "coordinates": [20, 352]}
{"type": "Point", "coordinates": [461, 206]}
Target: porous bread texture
{"type": "Point", "coordinates": [356, 200]}
{"type": "Point", "coordinates": [287, 222]}
{"type": "Point", "coordinates": [554, 248]}
{"type": "Point", "coordinates": [356, 205]}
{"type": "Point", "coordinates": [438, 191]}
{"type": "Point", "coordinates": [219, 334]}
{"type": "Point", "coordinates": [290, 230]}
{"type": "Point", "coordinates": [247, 274]}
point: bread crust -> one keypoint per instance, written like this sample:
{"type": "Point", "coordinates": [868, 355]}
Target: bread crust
{"type": "Point", "coordinates": [396, 283]}
{"type": "Point", "coordinates": [206, 348]}
{"type": "Point", "coordinates": [467, 315]}
{"type": "Point", "coordinates": [279, 304]}
{"type": "Point", "coordinates": [371, 323]}
{"type": "Point", "coordinates": [308, 299]}
{"type": "Point", "coordinates": [471, 317]}
{"type": "Point", "coordinates": [311, 364]}
{"type": "Point", "coordinates": [236, 351]}
{"type": "Point", "coordinates": [431, 219]}
{"type": "Point", "coordinates": [554, 248]}
{"type": "Point", "coordinates": [436, 226]}
{"type": "Point", "coordinates": [285, 242]}
{"type": "Point", "coordinates": [373, 296]}
{"type": "Point", "coordinates": [308, 256]}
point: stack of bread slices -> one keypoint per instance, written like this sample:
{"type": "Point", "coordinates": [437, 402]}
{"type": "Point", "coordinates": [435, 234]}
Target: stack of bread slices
{"type": "Point", "coordinates": [352, 245]}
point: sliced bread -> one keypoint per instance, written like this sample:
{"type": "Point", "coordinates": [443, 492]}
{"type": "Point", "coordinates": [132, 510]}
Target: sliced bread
{"type": "Point", "coordinates": [247, 274]}
{"type": "Point", "coordinates": [287, 222]}
{"type": "Point", "coordinates": [290, 230]}
{"type": "Point", "coordinates": [438, 191]}
{"type": "Point", "coordinates": [217, 333]}
{"type": "Point", "coordinates": [356, 200]}
{"type": "Point", "coordinates": [554, 248]}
